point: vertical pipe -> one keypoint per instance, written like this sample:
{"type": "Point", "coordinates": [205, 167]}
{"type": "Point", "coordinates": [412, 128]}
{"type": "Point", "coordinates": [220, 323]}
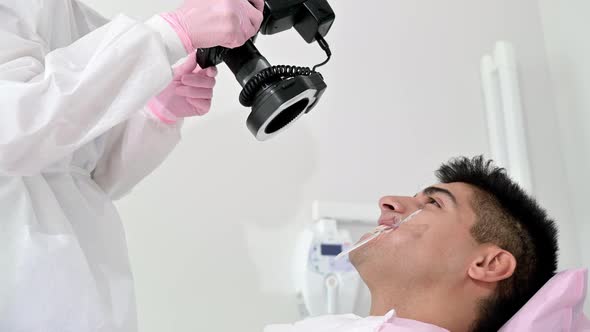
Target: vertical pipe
{"type": "Point", "coordinates": [332, 286]}
{"type": "Point", "coordinates": [494, 113]}
{"type": "Point", "coordinates": [516, 147]}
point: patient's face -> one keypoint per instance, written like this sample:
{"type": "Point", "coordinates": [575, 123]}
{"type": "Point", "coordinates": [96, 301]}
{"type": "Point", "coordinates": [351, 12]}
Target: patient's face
{"type": "Point", "coordinates": [434, 248]}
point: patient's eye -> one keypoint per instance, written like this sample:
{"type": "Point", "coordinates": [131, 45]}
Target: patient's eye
{"type": "Point", "coordinates": [431, 200]}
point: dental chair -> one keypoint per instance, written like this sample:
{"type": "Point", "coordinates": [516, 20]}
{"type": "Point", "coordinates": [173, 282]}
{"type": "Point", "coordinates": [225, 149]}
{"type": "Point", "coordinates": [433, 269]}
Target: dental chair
{"type": "Point", "coordinates": [556, 307]}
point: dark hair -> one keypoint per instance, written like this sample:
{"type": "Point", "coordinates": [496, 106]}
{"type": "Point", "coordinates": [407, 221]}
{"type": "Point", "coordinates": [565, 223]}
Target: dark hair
{"type": "Point", "coordinates": [508, 217]}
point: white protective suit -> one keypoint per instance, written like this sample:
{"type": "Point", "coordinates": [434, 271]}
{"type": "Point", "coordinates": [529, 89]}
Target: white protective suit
{"type": "Point", "coordinates": [74, 135]}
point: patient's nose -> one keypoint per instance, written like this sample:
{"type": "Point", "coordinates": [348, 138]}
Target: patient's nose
{"type": "Point", "coordinates": [399, 204]}
{"type": "Point", "coordinates": [390, 203]}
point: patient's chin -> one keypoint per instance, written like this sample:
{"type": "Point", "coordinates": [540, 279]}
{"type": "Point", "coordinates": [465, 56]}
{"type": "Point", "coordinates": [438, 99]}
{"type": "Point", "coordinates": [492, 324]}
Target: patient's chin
{"type": "Point", "coordinates": [358, 258]}
{"type": "Point", "coordinates": [355, 258]}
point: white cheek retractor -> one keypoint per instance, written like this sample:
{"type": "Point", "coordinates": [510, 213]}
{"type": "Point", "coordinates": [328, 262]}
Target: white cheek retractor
{"type": "Point", "coordinates": [376, 232]}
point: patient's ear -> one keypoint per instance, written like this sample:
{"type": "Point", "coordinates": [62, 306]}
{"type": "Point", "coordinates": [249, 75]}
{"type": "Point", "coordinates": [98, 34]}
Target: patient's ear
{"type": "Point", "coordinates": [492, 264]}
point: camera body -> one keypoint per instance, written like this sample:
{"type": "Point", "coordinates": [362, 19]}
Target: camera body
{"type": "Point", "coordinates": [278, 95]}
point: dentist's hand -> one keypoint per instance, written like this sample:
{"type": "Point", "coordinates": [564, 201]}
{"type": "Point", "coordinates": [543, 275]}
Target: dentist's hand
{"type": "Point", "coordinates": [189, 93]}
{"type": "Point", "coordinates": [208, 23]}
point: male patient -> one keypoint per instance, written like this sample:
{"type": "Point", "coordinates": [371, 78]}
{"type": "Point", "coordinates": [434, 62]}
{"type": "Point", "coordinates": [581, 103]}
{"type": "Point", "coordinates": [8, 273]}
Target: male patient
{"type": "Point", "coordinates": [480, 248]}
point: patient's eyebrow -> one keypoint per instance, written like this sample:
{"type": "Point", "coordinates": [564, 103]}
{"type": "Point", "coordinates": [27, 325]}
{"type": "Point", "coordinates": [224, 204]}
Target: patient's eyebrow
{"type": "Point", "coordinates": [437, 190]}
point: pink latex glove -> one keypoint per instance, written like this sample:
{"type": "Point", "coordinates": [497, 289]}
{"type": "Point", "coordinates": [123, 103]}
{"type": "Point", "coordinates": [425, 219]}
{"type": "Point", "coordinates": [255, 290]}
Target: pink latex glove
{"type": "Point", "coordinates": [189, 93]}
{"type": "Point", "coordinates": [208, 23]}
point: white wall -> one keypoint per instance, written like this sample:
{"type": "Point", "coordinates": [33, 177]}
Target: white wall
{"type": "Point", "coordinates": [211, 232]}
{"type": "Point", "coordinates": [565, 23]}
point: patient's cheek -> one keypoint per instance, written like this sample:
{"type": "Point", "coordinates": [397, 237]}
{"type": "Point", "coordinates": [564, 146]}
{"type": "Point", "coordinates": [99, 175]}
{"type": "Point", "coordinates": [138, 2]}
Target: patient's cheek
{"type": "Point", "coordinates": [409, 232]}
{"type": "Point", "coordinates": [400, 242]}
